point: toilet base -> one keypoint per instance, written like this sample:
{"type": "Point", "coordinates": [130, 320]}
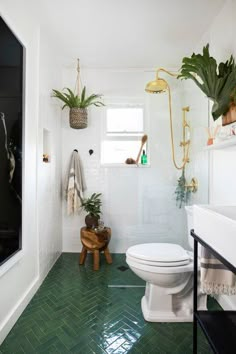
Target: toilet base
{"type": "Point", "coordinates": [162, 316]}
{"type": "Point", "coordinates": [171, 304]}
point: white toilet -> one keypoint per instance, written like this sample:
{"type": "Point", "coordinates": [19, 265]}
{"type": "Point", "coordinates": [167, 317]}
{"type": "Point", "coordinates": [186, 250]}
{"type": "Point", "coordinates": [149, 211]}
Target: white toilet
{"type": "Point", "coordinates": [168, 272]}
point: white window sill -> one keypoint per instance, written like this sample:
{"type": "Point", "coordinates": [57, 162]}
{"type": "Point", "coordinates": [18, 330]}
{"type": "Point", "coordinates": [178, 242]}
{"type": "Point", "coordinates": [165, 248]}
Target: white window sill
{"type": "Point", "coordinates": [124, 165]}
{"type": "Point", "coordinates": [11, 262]}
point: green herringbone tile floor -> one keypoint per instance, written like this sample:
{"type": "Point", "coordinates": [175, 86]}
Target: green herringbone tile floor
{"type": "Point", "coordinates": [75, 311]}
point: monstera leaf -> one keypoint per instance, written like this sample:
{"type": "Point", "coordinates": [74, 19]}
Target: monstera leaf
{"type": "Point", "coordinates": [216, 81]}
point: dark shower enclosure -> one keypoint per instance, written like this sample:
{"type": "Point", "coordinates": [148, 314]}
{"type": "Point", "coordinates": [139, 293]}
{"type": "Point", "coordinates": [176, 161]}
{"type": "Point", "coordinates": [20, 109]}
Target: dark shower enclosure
{"type": "Point", "coordinates": [11, 106]}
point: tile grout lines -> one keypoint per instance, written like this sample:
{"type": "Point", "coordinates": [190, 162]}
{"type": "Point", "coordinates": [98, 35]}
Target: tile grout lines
{"type": "Point", "coordinates": [77, 310]}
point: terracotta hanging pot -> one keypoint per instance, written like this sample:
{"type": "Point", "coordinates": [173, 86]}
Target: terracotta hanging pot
{"type": "Point", "coordinates": [230, 116]}
{"type": "Point", "coordinates": [91, 221]}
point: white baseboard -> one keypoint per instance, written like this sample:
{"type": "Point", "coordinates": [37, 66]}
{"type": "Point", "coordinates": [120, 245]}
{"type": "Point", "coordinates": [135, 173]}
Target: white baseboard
{"type": "Point", "coordinates": [17, 310]}
{"type": "Point", "coordinates": [43, 275]}
{"type": "Point", "coordinates": [20, 306]}
{"type": "Point", "coordinates": [72, 249]}
{"type": "Point", "coordinates": [226, 302]}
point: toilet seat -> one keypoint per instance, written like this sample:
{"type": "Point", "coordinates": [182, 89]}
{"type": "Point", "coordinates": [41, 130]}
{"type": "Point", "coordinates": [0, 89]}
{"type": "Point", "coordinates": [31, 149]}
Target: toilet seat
{"type": "Point", "coordinates": [159, 255]}
{"type": "Point", "coordinates": [159, 264]}
{"type": "Point", "coordinates": [160, 268]}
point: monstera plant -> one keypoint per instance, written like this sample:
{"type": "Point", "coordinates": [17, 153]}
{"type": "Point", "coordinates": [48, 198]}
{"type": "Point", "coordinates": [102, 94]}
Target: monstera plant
{"type": "Point", "coordinates": [218, 82]}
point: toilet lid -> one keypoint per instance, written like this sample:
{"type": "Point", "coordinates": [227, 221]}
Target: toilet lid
{"type": "Point", "coordinates": [158, 252]}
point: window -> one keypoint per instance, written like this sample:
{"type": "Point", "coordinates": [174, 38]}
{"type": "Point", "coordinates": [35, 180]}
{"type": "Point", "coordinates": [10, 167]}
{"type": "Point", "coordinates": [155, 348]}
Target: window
{"type": "Point", "coordinates": [123, 130]}
{"type": "Point", "coordinates": [126, 121]}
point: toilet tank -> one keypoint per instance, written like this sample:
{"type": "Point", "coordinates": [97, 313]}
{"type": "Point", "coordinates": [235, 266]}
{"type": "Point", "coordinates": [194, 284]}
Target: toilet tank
{"type": "Point", "coordinates": [189, 212]}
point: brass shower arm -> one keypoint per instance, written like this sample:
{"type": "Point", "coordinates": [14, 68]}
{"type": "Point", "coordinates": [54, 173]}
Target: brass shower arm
{"type": "Point", "coordinates": [166, 71]}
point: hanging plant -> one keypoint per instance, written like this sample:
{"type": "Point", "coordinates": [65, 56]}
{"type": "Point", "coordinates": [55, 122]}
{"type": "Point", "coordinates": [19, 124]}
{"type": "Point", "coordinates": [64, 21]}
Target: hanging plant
{"type": "Point", "coordinates": [78, 105]}
{"type": "Point", "coordinates": [182, 193]}
{"type": "Point", "coordinates": [216, 81]}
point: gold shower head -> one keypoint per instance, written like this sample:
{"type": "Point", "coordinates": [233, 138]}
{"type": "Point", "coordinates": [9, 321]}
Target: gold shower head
{"type": "Point", "coordinates": [156, 86]}
{"type": "Point", "coordinates": [159, 85]}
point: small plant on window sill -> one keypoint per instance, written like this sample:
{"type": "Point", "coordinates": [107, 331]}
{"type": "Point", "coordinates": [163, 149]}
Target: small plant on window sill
{"type": "Point", "coordinates": [182, 193]}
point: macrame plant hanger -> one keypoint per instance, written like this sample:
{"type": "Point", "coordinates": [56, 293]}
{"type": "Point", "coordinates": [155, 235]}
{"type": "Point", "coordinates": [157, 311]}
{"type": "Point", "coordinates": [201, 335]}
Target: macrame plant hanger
{"type": "Point", "coordinates": [78, 115]}
{"type": "Point", "coordinates": [78, 83]}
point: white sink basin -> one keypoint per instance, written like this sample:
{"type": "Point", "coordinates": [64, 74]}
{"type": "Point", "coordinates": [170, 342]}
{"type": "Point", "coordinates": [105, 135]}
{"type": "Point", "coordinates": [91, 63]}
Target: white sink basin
{"type": "Point", "coordinates": [216, 225]}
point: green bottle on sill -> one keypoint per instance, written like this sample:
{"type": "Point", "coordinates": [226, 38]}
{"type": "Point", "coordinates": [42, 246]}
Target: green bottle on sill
{"type": "Point", "coordinates": [144, 158]}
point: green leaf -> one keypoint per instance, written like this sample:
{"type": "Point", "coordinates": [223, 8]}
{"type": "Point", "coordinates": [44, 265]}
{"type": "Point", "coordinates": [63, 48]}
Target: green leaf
{"type": "Point", "coordinates": [93, 204]}
{"type": "Point", "coordinates": [182, 193]}
{"type": "Point", "coordinates": [83, 94]}
{"type": "Point", "coordinates": [216, 82]}
{"type": "Point", "coordinates": [72, 100]}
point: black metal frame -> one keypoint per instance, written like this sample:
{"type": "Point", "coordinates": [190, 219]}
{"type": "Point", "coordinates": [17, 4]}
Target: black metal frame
{"type": "Point", "coordinates": [195, 281]}
{"type": "Point", "coordinates": [198, 315]}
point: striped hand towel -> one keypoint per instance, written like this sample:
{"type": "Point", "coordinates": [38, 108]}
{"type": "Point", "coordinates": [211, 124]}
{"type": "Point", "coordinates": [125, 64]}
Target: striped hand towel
{"type": "Point", "coordinates": [75, 184]}
{"type": "Point", "coordinates": [216, 278]}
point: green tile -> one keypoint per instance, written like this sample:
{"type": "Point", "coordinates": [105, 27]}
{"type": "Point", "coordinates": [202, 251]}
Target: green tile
{"type": "Point", "coordinates": [74, 311]}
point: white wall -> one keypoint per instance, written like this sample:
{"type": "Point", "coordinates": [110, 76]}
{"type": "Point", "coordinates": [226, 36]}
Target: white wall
{"type": "Point", "coordinates": [49, 174]}
{"type": "Point", "coordinates": [19, 283]}
{"type": "Point", "coordinates": [222, 185]}
{"type": "Point", "coordinates": [138, 203]}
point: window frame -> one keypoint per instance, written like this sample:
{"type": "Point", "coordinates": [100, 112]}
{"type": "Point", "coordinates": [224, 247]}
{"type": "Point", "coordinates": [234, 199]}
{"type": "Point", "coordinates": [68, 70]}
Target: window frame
{"type": "Point", "coordinates": [129, 136]}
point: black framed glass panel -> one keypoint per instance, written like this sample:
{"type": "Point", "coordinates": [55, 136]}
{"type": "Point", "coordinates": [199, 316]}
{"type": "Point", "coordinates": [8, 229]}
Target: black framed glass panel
{"type": "Point", "coordinates": [11, 105]}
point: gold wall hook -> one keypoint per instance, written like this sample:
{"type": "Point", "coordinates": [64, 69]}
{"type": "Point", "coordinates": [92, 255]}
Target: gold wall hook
{"type": "Point", "coordinates": [193, 185]}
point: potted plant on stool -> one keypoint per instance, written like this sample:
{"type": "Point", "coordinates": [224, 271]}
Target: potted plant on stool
{"type": "Point", "coordinates": [92, 206]}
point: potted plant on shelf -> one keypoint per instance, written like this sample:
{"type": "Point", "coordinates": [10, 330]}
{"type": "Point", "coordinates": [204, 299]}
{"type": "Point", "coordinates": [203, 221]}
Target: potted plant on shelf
{"type": "Point", "coordinates": [230, 116]}
{"type": "Point", "coordinates": [92, 206]}
{"type": "Point", "coordinates": [78, 105]}
{"type": "Point", "coordinates": [216, 81]}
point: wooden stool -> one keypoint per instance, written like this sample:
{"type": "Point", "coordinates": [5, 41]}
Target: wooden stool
{"type": "Point", "coordinates": [95, 241]}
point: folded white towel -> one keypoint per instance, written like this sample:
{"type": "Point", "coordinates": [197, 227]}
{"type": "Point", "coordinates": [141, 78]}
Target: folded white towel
{"type": "Point", "coordinates": [75, 184]}
{"type": "Point", "coordinates": [216, 278]}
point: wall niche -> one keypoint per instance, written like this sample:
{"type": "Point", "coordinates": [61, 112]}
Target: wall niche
{"type": "Point", "coordinates": [11, 119]}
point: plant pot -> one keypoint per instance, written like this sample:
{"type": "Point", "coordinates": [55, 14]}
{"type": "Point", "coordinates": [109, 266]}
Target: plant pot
{"type": "Point", "coordinates": [78, 118]}
{"type": "Point", "coordinates": [230, 116]}
{"type": "Point", "coordinates": [91, 221]}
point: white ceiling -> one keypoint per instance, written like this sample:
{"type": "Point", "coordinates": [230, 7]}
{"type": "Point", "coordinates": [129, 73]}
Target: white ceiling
{"type": "Point", "coordinates": [126, 33]}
